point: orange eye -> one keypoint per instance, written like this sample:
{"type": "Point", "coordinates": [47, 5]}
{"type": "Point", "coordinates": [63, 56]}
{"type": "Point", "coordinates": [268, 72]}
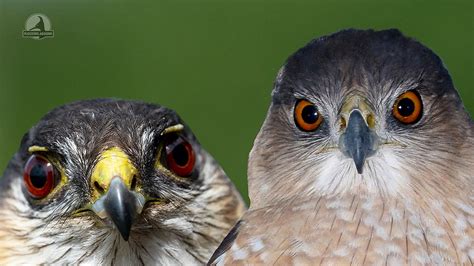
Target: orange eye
{"type": "Point", "coordinates": [180, 157]}
{"type": "Point", "coordinates": [38, 176]}
{"type": "Point", "coordinates": [307, 116]}
{"type": "Point", "coordinates": [408, 108]}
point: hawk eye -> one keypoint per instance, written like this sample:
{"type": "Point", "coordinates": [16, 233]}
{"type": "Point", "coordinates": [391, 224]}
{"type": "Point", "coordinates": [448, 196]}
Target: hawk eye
{"type": "Point", "coordinates": [38, 176]}
{"type": "Point", "coordinates": [180, 157]}
{"type": "Point", "coordinates": [408, 107]}
{"type": "Point", "coordinates": [307, 116]}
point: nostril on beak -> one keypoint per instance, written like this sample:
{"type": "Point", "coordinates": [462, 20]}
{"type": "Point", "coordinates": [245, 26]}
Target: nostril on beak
{"type": "Point", "coordinates": [99, 188]}
{"type": "Point", "coordinates": [370, 120]}
{"type": "Point", "coordinates": [133, 185]}
{"type": "Point", "coordinates": [343, 123]}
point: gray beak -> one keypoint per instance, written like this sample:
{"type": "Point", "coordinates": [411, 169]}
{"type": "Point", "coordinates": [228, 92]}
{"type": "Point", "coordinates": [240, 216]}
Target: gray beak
{"type": "Point", "coordinates": [119, 204]}
{"type": "Point", "coordinates": [358, 141]}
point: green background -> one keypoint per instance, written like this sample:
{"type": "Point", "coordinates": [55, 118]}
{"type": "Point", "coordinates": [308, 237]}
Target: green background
{"type": "Point", "coordinates": [213, 62]}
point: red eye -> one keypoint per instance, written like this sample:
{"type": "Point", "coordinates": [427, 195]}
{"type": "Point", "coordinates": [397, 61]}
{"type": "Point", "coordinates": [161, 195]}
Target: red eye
{"type": "Point", "coordinates": [180, 156]}
{"type": "Point", "coordinates": [38, 176]}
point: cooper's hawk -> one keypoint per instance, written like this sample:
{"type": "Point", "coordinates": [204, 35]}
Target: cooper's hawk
{"type": "Point", "coordinates": [366, 156]}
{"type": "Point", "coordinates": [113, 182]}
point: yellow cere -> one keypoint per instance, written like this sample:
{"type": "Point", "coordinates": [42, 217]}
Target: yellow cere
{"type": "Point", "coordinates": [358, 102]}
{"type": "Point", "coordinates": [112, 163]}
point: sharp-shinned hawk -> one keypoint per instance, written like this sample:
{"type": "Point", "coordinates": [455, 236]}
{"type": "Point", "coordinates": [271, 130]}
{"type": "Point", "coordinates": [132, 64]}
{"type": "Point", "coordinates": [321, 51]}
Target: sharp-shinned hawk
{"type": "Point", "coordinates": [366, 156]}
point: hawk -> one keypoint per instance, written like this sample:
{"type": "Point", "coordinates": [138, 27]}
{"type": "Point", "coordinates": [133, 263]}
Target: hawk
{"type": "Point", "coordinates": [366, 156]}
{"type": "Point", "coordinates": [113, 182]}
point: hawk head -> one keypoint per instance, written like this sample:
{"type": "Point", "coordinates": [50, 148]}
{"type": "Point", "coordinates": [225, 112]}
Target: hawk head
{"type": "Point", "coordinates": [107, 181]}
{"type": "Point", "coordinates": [366, 156]}
{"type": "Point", "coordinates": [362, 112]}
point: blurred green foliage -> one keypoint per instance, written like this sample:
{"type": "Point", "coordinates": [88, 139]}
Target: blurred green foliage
{"type": "Point", "coordinates": [214, 62]}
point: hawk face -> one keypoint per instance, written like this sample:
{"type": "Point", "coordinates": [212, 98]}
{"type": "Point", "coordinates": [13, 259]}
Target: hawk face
{"type": "Point", "coordinates": [365, 158]}
{"type": "Point", "coordinates": [361, 112]}
{"type": "Point", "coordinates": [109, 181]}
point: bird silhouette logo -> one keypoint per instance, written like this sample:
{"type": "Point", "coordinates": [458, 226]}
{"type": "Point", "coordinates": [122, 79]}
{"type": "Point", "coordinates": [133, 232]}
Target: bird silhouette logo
{"type": "Point", "coordinates": [38, 26]}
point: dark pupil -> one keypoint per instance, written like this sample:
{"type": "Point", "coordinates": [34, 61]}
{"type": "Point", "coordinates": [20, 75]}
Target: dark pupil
{"type": "Point", "coordinates": [310, 114]}
{"type": "Point", "coordinates": [38, 176]}
{"type": "Point", "coordinates": [406, 107]}
{"type": "Point", "coordinates": [180, 155]}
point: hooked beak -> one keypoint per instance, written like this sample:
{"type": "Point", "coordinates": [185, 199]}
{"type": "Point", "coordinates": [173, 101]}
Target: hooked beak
{"type": "Point", "coordinates": [358, 141]}
{"type": "Point", "coordinates": [113, 181]}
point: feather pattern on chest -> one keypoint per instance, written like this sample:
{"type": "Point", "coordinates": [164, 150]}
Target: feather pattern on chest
{"type": "Point", "coordinates": [358, 230]}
